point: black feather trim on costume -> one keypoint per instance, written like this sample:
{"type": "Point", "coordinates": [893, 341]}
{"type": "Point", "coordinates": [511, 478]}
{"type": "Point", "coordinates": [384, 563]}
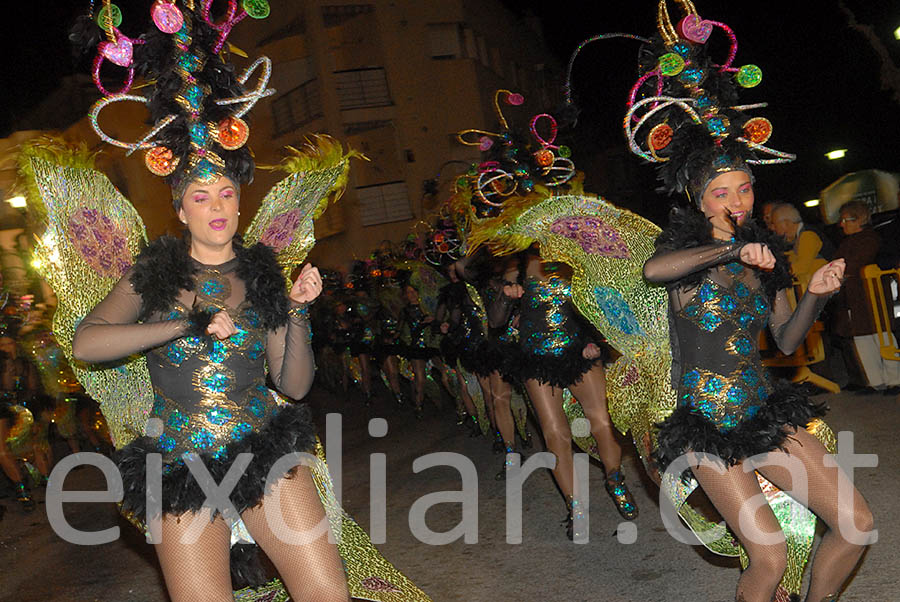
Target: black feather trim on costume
{"type": "Point", "coordinates": [162, 269]}
{"type": "Point", "coordinates": [688, 430]}
{"type": "Point", "coordinates": [198, 320]}
{"type": "Point", "coordinates": [689, 228]}
{"type": "Point", "coordinates": [259, 269]}
{"type": "Point", "coordinates": [290, 430]}
{"type": "Point", "coordinates": [559, 371]}
{"type": "Point", "coordinates": [246, 570]}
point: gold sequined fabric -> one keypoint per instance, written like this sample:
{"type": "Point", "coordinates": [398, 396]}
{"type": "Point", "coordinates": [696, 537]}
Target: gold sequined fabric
{"type": "Point", "coordinates": [91, 238]}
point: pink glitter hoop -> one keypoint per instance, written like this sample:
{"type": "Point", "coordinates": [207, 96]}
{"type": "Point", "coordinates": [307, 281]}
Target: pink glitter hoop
{"type": "Point", "coordinates": [232, 18]}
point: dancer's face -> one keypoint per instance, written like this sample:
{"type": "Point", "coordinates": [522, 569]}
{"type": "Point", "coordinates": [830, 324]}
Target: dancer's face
{"type": "Point", "coordinates": [210, 211]}
{"type": "Point", "coordinates": [729, 196]}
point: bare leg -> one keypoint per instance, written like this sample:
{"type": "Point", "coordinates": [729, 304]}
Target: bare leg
{"type": "Point", "coordinates": [364, 374]}
{"type": "Point", "coordinates": [547, 402]}
{"type": "Point", "coordinates": [836, 557]}
{"type": "Point", "coordinates": [194, 556]}
{"type": "Point", "coordinates": [393, 374]}
{"type": "Point", "coordinates": [418, 366]}
{"type": "Point", "coordinates": [760, 534]}
{"type": "Point", "coordinates": [501, 391]}
{"type": "Point", "coordinates": [311, 570]}
{"type": "Point", "coordinates": [485, 384]}
{"type": "Point", "coordinates": [590, 392]}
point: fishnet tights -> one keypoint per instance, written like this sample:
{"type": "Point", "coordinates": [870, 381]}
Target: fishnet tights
{"type": "Point", "coordinates": [196, 567]}
{"type": "Point", "coordinates": [591, 394]}
{"type": "Point", "coordinates": [759, 531]}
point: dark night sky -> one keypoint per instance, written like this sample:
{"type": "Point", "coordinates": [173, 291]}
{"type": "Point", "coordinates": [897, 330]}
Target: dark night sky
{"type": "Point", "coordinates": [821, 78]}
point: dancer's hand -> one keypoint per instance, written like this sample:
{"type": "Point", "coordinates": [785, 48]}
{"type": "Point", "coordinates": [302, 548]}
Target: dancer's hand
{"type": "Point", "coordinates": [308, 285]}
{"type": "Point", "coordinates": [514, 291]}
{"type": "Point", "coordinates": [591, 351]}
{"type": "Point", "coordinates": [757, 255]}
{"type": "Point", "coordinates": [828, 278]}
{"type": "Point", "coordinates": [221, 326]}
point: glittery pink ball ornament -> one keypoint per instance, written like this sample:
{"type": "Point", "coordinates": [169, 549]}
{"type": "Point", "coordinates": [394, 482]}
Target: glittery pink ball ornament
{"type": "Point", "coordinates": [166, 16]}
{"type": "Point", "coordinates": [485, 143]}
{"type": "Point", "coordinates": [515, 99]}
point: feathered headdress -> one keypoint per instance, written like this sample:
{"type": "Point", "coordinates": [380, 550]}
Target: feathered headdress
{"type": "Point", "coordinates": [684, 112]}
{"type": "Point", "coordinates": [517, 170]}
{"type": "Point", "coordinates": [196, 101]}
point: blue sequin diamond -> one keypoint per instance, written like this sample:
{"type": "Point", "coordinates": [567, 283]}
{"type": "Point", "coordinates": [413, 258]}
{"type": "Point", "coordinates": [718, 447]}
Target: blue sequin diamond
{"type": "Point", "coordinates": [212, 287]}
{"type": "Point", "coordinates": [728, 303]}
{"type": "Point", "coordinates": [256, 350]}
{"type": "Point", "coordinates": [240, 429]}
{"type": "Point", "coordinates": [240, 337]}
{"type": "Point", "coordinates": [177, 420]}
{"type": "Point", "coordinates": [736, 396]}
{"type": "Point", "coordinates": [202, 439]}
{"type": "Point", "coordinates": [175, 353]}
{"type": "Point", "coordinates": [616, 310]}
{"type": "Point", "coordinates": [709, 321]}
{"type": "Point", "coordinates": [741, 290]}
{"type": "Point", "coordinates": [166, 443]}
{"type": "Point", "coordinates": [743, 345]}
{"type": "Point", "coordinates": [217, 382]}
{"type": "Point", "coordinates": [218, 416]}
{"type": "Point", "coordinates": [691, 378]}
{"type": "Point", "coordinates": [707, 292]}
{"type": "Point", "coordinates": [713, 386]}
{"type": "Point", "coordinates": [760, 305]}
{"type": "Point", "coordinates": [257, 407]}
{"type": "Point", "coordinates": [218, 352]}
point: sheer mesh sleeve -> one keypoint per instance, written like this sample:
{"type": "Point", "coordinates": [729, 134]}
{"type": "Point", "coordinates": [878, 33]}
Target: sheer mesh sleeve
{"type": "Point", "coordinates": [667, 265]}
{"type": "Point", "coordinates": [789, 328]}
{"type": "Point", "coordinates": [111, 331]}
{"type": "Point", "coordinates": [290, 357]}
{"type": "Point", "coordinates": [499, 310]}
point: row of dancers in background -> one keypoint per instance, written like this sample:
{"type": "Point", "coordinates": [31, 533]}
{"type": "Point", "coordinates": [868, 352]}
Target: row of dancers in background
{"type": "Point", "coordinates": [496, 335]}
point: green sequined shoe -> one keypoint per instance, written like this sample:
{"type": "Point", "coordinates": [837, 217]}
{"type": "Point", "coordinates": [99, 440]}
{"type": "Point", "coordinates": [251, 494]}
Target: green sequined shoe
{"type": "Point", "coordinates": [23, 496]}
{"type": "Point", "coordinates": [622, 498]}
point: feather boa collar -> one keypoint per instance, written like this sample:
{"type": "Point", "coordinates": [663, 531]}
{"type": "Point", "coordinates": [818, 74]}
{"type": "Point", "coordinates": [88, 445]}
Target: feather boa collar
{"type": "Point", "coordinates": [689, 228]}
{"type": "Point", "coordinates": [164, 268]}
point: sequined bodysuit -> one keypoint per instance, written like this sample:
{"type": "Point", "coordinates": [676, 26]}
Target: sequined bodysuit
{"type": "Point", "coordinates": [727, 403]}
{"type": "Point", "coordinates": [207, 393]}
{"type": "Point", "coordinates": [552, 333]}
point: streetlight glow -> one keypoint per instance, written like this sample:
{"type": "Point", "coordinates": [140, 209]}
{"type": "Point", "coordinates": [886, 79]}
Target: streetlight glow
{"type": "Point", "coordinates": [17, 201]}
{"type": "Point", "coordinates": [897, 34]}
{"type": "Point", "coordinates": [836, 154]}
{"type": "Point", "coordinates": [812, 203]}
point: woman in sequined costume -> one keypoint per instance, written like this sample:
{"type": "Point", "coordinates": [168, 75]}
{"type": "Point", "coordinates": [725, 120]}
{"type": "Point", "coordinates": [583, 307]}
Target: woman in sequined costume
{"type": "Point", "coordinates": [362, 310]}
{"type": "Point", "coordinates": [420, 347]}
{"type": "Point", "coordinates": [726, 279]}
{"type": "Point", "coordinates": [559, 352]}
{"type": "Point", "coordinates": [210, 315]}
{"type": "Point", "coordinates": [462, 344]}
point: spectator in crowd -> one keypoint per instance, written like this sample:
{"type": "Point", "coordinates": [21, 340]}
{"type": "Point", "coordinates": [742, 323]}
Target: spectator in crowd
{"type": "Point", "coordinates": [810, 248]}
{"type": "Point", "coordinates": [854, 319]}
{"type": "Point", "coordinates": [766, 210]}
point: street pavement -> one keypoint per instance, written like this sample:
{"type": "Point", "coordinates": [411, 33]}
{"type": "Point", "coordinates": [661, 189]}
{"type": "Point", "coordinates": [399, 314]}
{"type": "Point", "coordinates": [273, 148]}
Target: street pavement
{"type": "Point", "coordinates": [38, 566]}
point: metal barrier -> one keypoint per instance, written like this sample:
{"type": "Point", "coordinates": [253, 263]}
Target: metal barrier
{"type": "Point", "coordinates": [884, 307]}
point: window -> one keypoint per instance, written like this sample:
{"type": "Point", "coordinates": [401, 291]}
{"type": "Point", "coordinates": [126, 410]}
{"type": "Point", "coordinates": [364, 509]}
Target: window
{"type": "Point", "coordinates": [297, 107]}
{"type": "Point", "coordinates": [383, 203]}
{"type": "Point", "coordinates": [334, 15]}
{"type": "Point", "coordinates": [444, 41]}
{"type": "Point", "coordinates": [359, 88]}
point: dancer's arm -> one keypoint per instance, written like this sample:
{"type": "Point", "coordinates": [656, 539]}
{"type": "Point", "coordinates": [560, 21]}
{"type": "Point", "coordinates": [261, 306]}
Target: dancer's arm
{"type": "Point", "coordinates": [667, 265]}
{"type": "Point", "coordinates": [290, 356]}
{"type": "Point", "coordinates": [789, 328]}
{"type": "Point", "coordinates": [111, 332]}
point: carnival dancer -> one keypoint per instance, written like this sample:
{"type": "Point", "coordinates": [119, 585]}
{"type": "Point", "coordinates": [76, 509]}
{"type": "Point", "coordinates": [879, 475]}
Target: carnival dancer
{"type": "Point", "coordinates": [420, 346]}
{"type": "Point", "coordinates": [559, 350]}
{"type": "Point", "coordinates": [198, 325]}
{"type": "Point", "coordinates": [362, 310]}
{"type": "Point", "coordinates": [558, 347]}
{"type": "Point", "coordinates": [726, 278]}
{"type": "Point", "coordinates": [462, 346]}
